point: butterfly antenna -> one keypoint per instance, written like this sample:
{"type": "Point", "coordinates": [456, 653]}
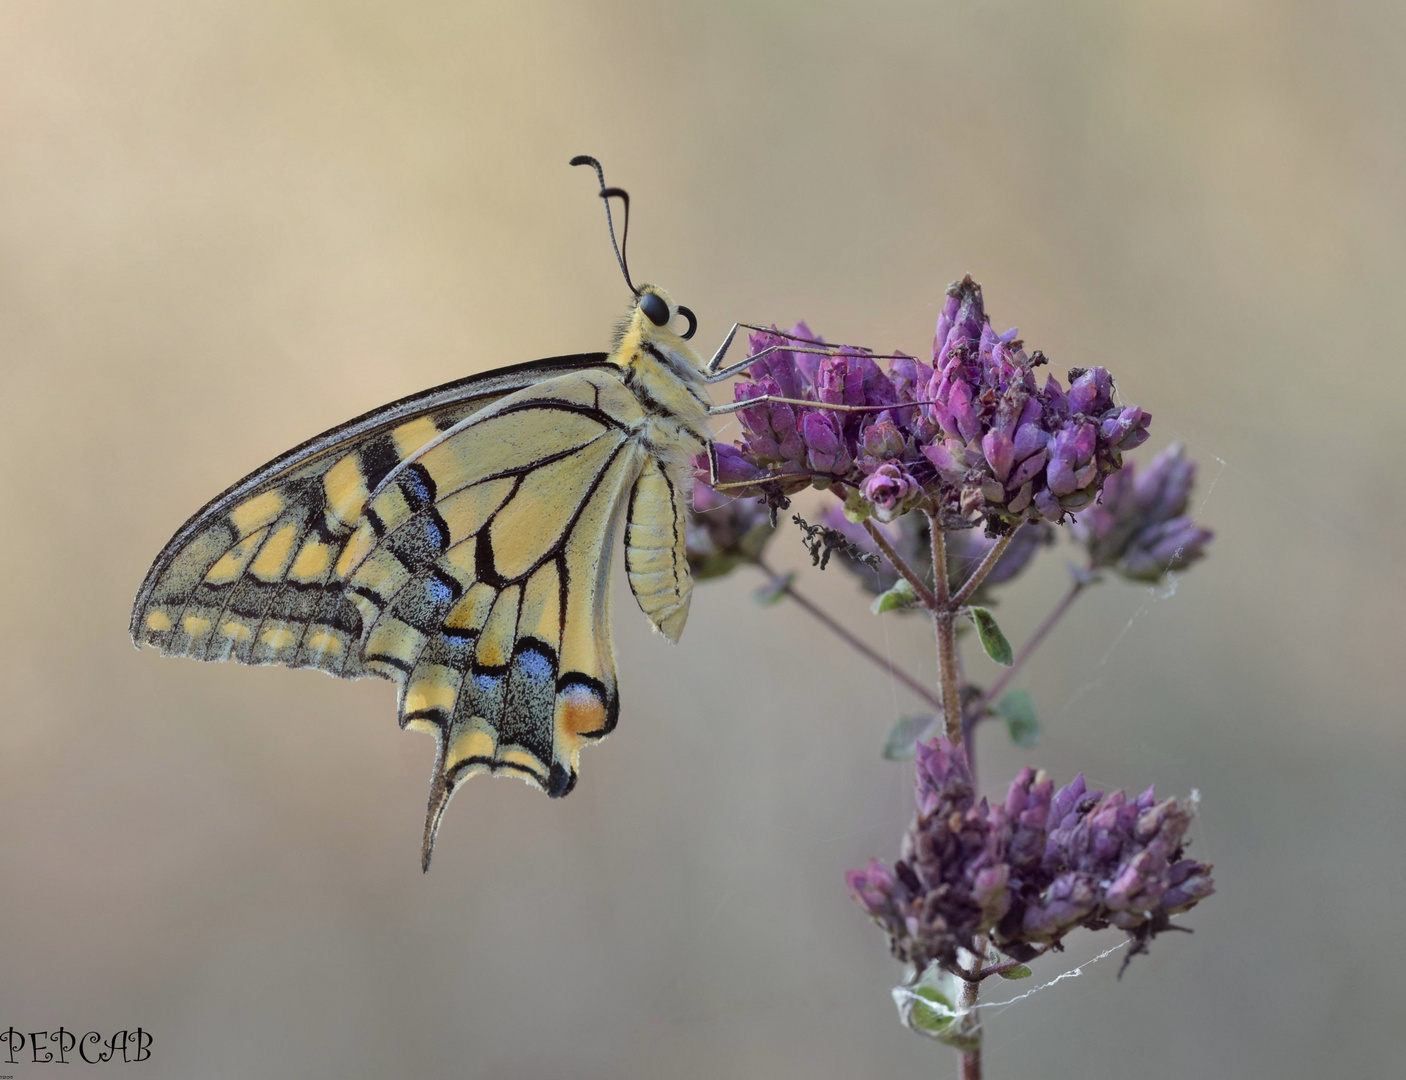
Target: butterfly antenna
{"type": "Point", "coordinates": [607, 193]}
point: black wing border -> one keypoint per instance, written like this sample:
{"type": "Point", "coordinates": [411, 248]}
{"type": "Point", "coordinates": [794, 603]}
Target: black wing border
{"type": "Point", "coordinates": [499, 381]}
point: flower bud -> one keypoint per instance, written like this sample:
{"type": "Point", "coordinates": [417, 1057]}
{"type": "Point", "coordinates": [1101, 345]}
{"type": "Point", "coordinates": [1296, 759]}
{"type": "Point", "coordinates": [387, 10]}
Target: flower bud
{"type": "Point", "coordinates": [1140, 524]}
{"type": "Point", "coordinates": [890, 488]}
{"type": "Point", "coordinates": [882, 441]}
{"type": "Point", "coordinates": [824, 441]}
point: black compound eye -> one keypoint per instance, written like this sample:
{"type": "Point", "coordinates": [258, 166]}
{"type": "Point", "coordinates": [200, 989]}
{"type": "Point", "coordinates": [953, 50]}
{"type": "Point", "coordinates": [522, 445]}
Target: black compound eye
{"type": "Point", "coordinates": [652, 304]}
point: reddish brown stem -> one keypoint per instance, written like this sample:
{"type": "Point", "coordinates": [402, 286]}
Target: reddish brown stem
{"type": "Point", "coordinates": [971, 991]}
{"type": "Point", "coordinates": [944, 617]}
{"type": "Point", "coordinates": [920, 588]}
{"type": "Point", "coordinates": [986, 566]}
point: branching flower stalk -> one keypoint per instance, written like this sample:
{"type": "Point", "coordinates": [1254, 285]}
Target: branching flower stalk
{"type": "Point", "coordinates": [955, 474]}
{"type": "Point", "coordinates": [839, 630]}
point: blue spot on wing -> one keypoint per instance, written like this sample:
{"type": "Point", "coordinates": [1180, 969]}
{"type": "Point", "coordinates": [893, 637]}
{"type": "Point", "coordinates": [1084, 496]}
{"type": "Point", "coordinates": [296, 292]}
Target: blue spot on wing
{"type": "Point", "coordinates": [417, 487]}
{"type": "Point", "coordinates": [439, 593]}
{"type": "Point", "coordinates": [535, 666]}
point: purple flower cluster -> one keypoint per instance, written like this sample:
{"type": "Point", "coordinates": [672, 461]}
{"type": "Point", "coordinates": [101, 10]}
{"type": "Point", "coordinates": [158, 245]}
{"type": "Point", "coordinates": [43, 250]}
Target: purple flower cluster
{"type": "Point", "coordinates": [1027, 872]}
{"type": "Point", "coordinates": [1140, 526]}
{"type": "Point", "coordinates": [970, 437]}
{"type": "Point", "coordinates": [722, 533]}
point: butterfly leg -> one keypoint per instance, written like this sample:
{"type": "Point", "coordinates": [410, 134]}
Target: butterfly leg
{"type": "Point", "coordinates": [777, 399]}
{"type": "Point", "coordinates": [712, 366]}
{"type": "Point", "coordinates": [742, 365]}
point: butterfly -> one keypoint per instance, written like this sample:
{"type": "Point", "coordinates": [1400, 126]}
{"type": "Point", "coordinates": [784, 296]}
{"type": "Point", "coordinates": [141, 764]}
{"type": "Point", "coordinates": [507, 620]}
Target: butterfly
{"type": "Point", "coordinates": [458, 542]}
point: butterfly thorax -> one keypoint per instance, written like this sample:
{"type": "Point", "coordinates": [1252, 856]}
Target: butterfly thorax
{"type": "Point", "coordinates": [666, 375]}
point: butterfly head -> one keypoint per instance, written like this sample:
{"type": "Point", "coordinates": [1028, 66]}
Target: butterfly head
{"type": "Point", "coordinates": [656, 326]}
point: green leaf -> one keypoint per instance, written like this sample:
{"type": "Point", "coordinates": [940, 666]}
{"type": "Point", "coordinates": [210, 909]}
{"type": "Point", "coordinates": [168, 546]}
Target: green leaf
{"type": "Point", "coordinates": [992, 640]}
{"type": "Point", "coordinates": [900, 596]}
{"type": "Point", "coordinates": [1020, 971]}
{"type": "Point", "coordinates": [927, 1008]}
{"type": "Point", "coordinates": [857, 508]}
{"type": "Point", "coordinates": [929, 1020]}
{"type": "Point", "coordinates": [902, 741]}
{"type": "Point", "coordinates": [1018, 711]}
{"type": "Point", "coordinates": [775, 590]}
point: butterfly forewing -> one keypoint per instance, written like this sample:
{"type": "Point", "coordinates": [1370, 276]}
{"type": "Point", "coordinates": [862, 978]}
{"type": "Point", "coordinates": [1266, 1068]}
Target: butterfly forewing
{"type": "Point", "coordinates": [253, 576]}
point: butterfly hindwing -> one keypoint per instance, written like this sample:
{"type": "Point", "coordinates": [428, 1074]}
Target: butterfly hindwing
{"type": "Point", "coordinates": [480, 571]}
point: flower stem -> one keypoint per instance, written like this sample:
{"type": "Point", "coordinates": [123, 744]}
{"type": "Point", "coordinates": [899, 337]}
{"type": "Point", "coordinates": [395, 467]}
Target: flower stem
{"type": "Point", "coordinates": [920, 588]}
{"type": "Point", "coordinates": [971, 991]}
{"type": "Point", "coordinates": [987, 565]}
{"type": "Point", "coordinates": [944, 617]}
{"type": "Point", "coordinates": [1042, 631]}
{"type": "Point", "coordinates": [853, 642]}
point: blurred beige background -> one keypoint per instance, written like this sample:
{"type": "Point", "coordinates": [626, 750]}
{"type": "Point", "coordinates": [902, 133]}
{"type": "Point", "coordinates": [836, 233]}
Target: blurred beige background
{"type": "Point", "coordinates": [356, 200]}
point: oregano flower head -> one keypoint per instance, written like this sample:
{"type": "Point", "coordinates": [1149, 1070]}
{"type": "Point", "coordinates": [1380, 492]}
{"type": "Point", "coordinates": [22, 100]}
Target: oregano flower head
{"type": "Point", "coordinates": [973, 437]}
{"type": "Point", "coordinates": [1026, 872]}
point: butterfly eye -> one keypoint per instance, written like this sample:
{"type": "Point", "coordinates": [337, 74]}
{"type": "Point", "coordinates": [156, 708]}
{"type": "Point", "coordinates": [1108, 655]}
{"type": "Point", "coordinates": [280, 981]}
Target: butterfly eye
{"type": "Point", "coordinates": [653, 305]}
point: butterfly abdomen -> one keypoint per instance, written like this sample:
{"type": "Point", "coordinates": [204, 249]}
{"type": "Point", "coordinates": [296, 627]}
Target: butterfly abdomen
{"type": "Point", "coordinates": [655, 558]}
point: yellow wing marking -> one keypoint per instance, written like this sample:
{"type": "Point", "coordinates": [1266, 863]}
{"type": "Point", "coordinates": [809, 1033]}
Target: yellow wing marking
{"type": "Point", "coordinates": [540, 616]}
{"type": "Point", "coordinates": [236, 631]}
{"type": "Point", "coordinates": [475, 740]}
{"type": "Point", "coordinates": [585, 645]}
{"type": "Point", "coordinates": [433, 687]}
{"type": "Point", "coordinates": [230, 565]}
{"type": "Point", "coordinates": [345, 489]}
{"type": "Point", "coordinates": [466, 511]}
{"type": "Point", "coordinates": [277, 637]}
{"type": "Point", "coordinates": [314, 559]}
{"type": "Point", "coordinates": [394, 645]}
{"type": "Point", "coordinates": [256, 512]}
{"type": "Point", "coordinates": [413, 435]}
{"type": "Point", "coordinates": [471, 611]}
{"type": "Point", "coordinates": [324, 641]}
{"type": "Point", "coordinates": [532, 521]}
{"type": "Point", "coordinates": [275, 553]}
{"type": "Point", "coordinates": [502, 443]}
{"type": "Point", "coordinates": [495, 642]}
